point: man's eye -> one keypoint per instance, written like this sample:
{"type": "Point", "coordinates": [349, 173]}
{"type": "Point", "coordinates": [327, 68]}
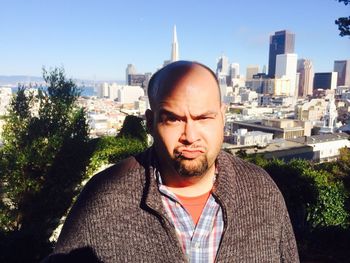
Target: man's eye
{"type": "Point", "coordinates": [205, 118]}
{"type": "Point", "coordinates": [170, 119]}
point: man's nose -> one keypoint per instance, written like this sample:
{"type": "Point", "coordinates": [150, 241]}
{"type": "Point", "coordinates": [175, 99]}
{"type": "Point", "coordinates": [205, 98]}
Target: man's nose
{"type": "Point", "coordinates": [190, 133]}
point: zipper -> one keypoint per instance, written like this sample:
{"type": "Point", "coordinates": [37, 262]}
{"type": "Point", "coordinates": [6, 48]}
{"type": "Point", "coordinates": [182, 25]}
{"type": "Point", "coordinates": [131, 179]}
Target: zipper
{"type": "Point", "coordinates": [169, 228]}
{"type": "Point", "coordinates": [224, 216]}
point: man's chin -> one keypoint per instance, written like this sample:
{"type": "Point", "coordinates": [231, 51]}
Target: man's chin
{"type": "Point", "coordinates": [191, 167]}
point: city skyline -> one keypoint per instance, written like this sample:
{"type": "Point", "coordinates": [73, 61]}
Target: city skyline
{"type": "Point", "coordinates": [97, 40]}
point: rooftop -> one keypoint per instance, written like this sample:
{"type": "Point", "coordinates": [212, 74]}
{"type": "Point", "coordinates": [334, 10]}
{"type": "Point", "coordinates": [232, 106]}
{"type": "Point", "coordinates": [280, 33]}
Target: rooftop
{"type": "Point", "coordinates": [321, 138]}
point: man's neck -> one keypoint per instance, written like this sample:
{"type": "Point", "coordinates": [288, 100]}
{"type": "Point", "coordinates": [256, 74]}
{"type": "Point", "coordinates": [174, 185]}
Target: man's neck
{"type": "Point", "coordinates": [189, 186]}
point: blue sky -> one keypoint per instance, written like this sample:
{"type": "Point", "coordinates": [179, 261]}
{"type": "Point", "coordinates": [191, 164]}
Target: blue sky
{"type": "Point", "coordinates": [97, 39]}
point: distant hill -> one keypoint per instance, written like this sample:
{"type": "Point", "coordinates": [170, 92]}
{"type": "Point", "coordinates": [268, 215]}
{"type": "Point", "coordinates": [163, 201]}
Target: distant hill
{"type": "Point", "coordinates": [22, 79]}
{"type": "Point", "coordinates": [14, 80]}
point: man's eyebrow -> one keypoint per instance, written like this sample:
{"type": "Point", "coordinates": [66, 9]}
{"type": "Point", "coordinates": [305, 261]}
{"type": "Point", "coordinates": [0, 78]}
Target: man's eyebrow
{"type": "Point", "coordinates": [169, 113]}
{"type": "Point", "coordinates": [209, 112]}
{"type": "Point", "coordinates": [204, 114]}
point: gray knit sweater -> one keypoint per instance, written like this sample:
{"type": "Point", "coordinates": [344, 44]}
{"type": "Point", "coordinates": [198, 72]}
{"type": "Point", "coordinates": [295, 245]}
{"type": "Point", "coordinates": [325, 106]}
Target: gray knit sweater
{"type": "Point", "coordinates": [119, 217]}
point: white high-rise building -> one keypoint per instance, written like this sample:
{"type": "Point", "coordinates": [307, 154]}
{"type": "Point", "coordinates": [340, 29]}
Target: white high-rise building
{"type": "Point", "coordinates": [103, 90]}
{"type": "Point", "coordinates": [222, 67]}
{"type": "Point", "coordinates": [306, 77]}
{"type": "Point", "coordinates": [223, 70]}
{"type": "Point", "coordinates": [282, 86]}
{"type": "Point", "coordinates": [129, 94]}
{"type": "Point", "coordinates": [286, 67]}
{"type": "Point", "coordinates": [234, 70]}
{"type": "Point", "coordinates": [174, 56]}
{"type": "Point", "coordinates": [120, 93]}
{"type": "Point", "coordinates": [174, 47]}
{"type": "Point", "coordinates": [113, 91]}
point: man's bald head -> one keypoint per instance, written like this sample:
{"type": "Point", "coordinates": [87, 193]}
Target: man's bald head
{"type": "Point", "coordinates": [162, 82]}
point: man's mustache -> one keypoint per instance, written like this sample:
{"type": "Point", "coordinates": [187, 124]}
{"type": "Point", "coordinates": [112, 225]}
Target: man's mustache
{"type": "Point", "coordinates": [178, 151]}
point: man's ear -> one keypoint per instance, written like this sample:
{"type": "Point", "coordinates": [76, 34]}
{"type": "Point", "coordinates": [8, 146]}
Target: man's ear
{"type": "Point", "coordinates": [149, 121]}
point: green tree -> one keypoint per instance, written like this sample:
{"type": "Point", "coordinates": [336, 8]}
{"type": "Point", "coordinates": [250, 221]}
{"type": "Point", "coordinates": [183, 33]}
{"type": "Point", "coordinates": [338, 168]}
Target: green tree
{"type": "Point", "coordinates": [297, 189]}
{"type": "Point", "coordinates": [134, 128]}
{"type": "Point", "coordinates": [316, 202]}
{"type": "Point", "coordinates": [42, 163]}
{"type": "Point", "coordinates": [315, 197]}
{"type": "Point", "coordinates": [329, 208]}
{"type": "Point", "coordinates": [109, 150]}
{"type": "Point", "coordinates": [131, 140]}
{"type": "Point", "coordinates": [343, 22]}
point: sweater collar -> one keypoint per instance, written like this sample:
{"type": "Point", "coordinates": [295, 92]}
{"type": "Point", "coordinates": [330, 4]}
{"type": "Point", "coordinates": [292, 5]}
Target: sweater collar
{"type": "Point", "coordinates": [151, 192]}
{"type": "Point", "coordinates": [224, 187]}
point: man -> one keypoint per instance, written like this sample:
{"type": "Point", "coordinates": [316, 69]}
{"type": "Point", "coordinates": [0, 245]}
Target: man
{"type": "Point", "coordinates": [183, 200]}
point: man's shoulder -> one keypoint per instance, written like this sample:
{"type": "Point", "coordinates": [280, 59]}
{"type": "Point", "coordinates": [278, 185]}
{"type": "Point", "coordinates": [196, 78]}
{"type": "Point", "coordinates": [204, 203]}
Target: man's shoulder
{"type": "Point", "coordinates": [245, 173]}
{"type": "Point", "coordinates": [230, 161]}
{"type": "Point", "coordinates": [128, 171]}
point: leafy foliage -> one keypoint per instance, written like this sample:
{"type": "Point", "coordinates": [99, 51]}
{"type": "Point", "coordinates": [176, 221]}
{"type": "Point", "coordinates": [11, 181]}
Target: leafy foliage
{"type": "Point", "coordinates": [45, 158]}
{"type": "Point", "coordinates": [131, 139]}
{"type": "Point", "coordinates": [133, 127]}
{"type": "Point", "coordinates": [317, 198]}
{"type": "Point", "coordinates": [108, 150]}
{"type": "Point", "coordinates": [42, 163]}
{"type": "Point", "coordinates": [343, 22]}
{"type": "Point", "coordinates": [329, 208]}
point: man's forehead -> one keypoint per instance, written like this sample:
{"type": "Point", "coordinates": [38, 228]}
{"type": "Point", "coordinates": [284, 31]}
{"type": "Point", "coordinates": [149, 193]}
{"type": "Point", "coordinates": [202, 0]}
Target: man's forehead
{"type": "Point", "coordinates": [179, 74]}
{"type": "Point", "coordinates": [193, 102]}
{"type": "Point", "coordinates": [187, 81]}
{"type": "Point", "coordinates": [190, 71]}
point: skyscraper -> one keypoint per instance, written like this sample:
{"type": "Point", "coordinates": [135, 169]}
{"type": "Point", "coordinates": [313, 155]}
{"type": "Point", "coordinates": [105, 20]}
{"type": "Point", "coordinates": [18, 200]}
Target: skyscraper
{"type": "Point", "coordinates": [222, 67]}
{"type": "Point", "coordinates": [286, 67]}
{"type": "Point", "coordinates": [251, 71]}
{"type": "Point", "coordinates": [306, 77]}
{"type": "Point", "coordinates": [325, 80]}
{"type": "Point", "coordinates": [174, 47]}
{"type": "Point", "coordinates": [130, 70]}
{"type": "Point", "coordinates": [343, 69]}
{"type": "Point", "coordinates": [234, 70]}
{"type": "Point", "coordinates": [282, 42]}
{"type": "Point", "coordinates": [174, 56]}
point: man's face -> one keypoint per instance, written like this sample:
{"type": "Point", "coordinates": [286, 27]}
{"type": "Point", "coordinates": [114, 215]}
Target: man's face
{"type": "Point", "coordinates": [188, 123]}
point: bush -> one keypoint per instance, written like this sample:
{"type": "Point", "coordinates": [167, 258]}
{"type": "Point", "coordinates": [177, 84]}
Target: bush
{"type": "Point", "coordinates": [317, 200]}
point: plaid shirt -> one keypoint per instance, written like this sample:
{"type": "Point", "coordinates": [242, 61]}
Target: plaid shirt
{"type": "Point", "coordinates": [199, 242]}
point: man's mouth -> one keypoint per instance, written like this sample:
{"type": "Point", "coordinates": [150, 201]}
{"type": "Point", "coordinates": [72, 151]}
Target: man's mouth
{"type": "Point", "coordinates": [189, 153]}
